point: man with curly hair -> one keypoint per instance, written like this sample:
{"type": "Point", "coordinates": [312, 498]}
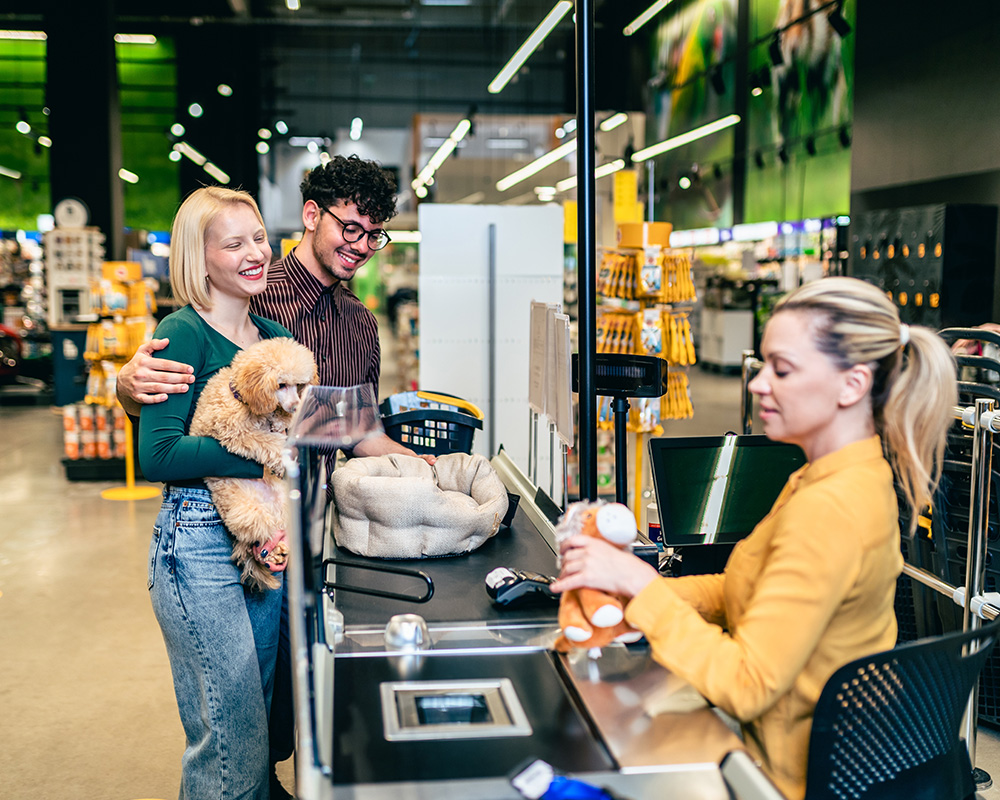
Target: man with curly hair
{"type": "Point", "coordinates": [346, 203]}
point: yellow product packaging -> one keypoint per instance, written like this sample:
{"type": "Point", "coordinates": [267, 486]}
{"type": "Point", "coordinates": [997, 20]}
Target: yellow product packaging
{"type": "Point", "coordinates": [601, 334]}
{"type": "Point", "coordinates": [604, 274]}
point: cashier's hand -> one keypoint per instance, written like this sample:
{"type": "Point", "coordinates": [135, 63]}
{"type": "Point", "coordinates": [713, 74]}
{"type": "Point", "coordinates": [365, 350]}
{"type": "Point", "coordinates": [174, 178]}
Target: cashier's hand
{"type": "Point", "coordinates": [597, 564]}
{"type": "Point", "coordinates": [146, 379]}
{"type": "Point", "coordinates": [382, 445]}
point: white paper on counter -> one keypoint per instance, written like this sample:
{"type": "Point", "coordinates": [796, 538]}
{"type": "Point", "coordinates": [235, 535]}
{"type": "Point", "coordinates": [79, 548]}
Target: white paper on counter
{"type": "Point", "coordinates": [563, 381]}
{"type": "Point", "coordinates": [536, 356]}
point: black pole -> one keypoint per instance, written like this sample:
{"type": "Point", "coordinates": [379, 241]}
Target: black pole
{"type": "Point", "coordinates": [586, 246]}
{"type": "Point", "coordinates": [621, 449]}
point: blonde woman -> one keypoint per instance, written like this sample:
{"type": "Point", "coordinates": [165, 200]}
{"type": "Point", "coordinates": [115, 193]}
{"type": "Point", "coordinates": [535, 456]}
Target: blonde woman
{"type": "Point", "coordinates": [220, 636]}
{"type": "Point", "coordinates": [813, 586]}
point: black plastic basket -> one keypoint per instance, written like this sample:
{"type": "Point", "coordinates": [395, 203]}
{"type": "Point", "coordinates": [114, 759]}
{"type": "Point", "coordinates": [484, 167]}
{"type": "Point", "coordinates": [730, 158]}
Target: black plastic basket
{"type": "Point", "coordinates": [433, 431]}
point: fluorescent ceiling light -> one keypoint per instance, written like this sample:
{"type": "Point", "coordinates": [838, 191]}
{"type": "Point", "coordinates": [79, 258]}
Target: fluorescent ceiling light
{"type": "Point", "coordinates": [305, 141]}
{"type": "Point", "coordinates": [645, 16]}
{"type": "Point", "coordinates": [128, 176]}
{"type": "Point", "coordinates": [292, 5]}
{"type": "Point", "coordinates": [696, 236]}
{"type": "Point", "coordinates": [357, 125]}
{"type": "Point", "coordinates": [10, 173]}
{"type": "Point", "coordinates": [35, 36]}
{"type": "Point", "coordinates": [601, 172]}
{"type": "Point", "coordinates": [536, 166]}
{"type": "Point", "coordinates": [614, 121]}
{"type": "Point", "coordinates": [405, 237]}
{"type": "Point", "coordinates": [23, 126]}
{"type": "Point", "coordinates": [754, 231]}
{"type": "Point", "coordinates": [216, 173]}
{"type": "Point", "coordinates": [559, 10]}
{"type": "Point", "coordinates": [507, 144]}
{"type": "Point", "coordinates": [426, 175]}
{"type": "Point", "coordinates": [281, 127]}
{"type": "Point", "coordinates": [45, 141]}
{"type": "Point", "coordinates": [135, 38]}
{"type": "Point", "coordinates": [686, 138]}
{"type": "Point", "coordinates": [187, 150]}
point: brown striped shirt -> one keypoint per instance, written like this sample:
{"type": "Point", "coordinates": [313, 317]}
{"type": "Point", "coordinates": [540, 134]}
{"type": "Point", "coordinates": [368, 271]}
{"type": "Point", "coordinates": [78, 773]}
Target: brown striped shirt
{"type": "Point", "coordinates": [329, 320]}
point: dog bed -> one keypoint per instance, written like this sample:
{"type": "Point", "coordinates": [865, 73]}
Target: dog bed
{"type": "Point", "coordinates": [397, 506]}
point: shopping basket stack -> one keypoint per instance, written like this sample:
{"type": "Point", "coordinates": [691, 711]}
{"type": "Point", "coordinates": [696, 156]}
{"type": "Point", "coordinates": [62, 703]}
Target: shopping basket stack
{"type": "Point", "coordinates": [431, 422]}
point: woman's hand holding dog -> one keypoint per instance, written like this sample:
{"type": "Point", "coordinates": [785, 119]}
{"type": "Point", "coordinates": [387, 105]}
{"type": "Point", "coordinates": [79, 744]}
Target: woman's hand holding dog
{"type": "Point", "coordinates": [273, 554]}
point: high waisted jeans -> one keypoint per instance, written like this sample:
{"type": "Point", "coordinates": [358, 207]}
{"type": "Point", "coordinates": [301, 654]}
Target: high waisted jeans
{"type": "Point", "coordinates": [222, 642]}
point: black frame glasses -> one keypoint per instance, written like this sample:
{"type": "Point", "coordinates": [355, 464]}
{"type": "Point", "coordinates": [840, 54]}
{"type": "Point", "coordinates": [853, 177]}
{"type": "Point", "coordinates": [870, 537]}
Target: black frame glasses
{"type": "Point", "coordinates": [353, 232]}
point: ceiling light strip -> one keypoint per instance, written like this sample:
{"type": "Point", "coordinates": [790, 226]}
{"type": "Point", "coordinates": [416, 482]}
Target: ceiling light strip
{"type": "Point", "coordinates": [559, 10]}
{"type": "Point", "coordinates": [614, 121]}
{"type": "Point", "coordinates": [601, 172]}
{"type": "Point", "coordinates": [215, 172]}
{"type": "Point", "coordinates": [426, 175]}
{"type": "Point", "coordinates": [686, 138]}
{"type": "Point", "coordinates": [536, 166]}
{"type": "Point", "coordinates": [645, 16]}
{"type": "Point", "coordinates": [34, 36]}
{"type": "Point", "coordinates": [10, 173]}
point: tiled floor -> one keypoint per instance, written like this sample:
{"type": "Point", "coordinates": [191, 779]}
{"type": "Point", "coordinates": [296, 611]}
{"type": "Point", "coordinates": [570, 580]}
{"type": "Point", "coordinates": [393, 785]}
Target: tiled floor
{"type": "Point", "coordinates": [87, 704]}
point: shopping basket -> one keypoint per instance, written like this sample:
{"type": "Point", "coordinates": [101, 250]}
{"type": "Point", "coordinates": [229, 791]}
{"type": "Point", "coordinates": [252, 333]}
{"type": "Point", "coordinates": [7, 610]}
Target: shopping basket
{"type": "Point", "coordinates": [431, 422]}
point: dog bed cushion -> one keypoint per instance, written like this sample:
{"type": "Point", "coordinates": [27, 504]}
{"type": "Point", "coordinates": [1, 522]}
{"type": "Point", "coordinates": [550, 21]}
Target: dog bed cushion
{"type": "Point", "coordinates": [398, 506]}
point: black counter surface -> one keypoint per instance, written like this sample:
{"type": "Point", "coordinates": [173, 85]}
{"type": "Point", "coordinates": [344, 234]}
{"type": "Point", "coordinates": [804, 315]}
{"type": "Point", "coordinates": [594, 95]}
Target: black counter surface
{"type": "Point", "coordinates": [560, 735]}
{"type": "Point", "coordinates": [459, 582]}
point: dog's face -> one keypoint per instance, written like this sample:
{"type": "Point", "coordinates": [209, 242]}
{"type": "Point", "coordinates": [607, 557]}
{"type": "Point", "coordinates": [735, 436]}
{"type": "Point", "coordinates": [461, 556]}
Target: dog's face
{"type": "Point", "coordinates": [271, 376]}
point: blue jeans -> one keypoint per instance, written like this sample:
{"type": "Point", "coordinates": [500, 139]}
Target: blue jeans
{"type": "Point", "coordinates": [222, 641]}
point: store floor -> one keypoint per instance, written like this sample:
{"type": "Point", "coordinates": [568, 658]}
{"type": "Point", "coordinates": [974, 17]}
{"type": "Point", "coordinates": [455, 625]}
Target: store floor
{"type": "Point", "coordinates": [87, 703]}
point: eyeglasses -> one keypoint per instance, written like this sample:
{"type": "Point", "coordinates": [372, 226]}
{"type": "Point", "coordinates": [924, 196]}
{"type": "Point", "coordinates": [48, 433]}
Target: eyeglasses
{"type": "Point", "coordinates": [353, 232]}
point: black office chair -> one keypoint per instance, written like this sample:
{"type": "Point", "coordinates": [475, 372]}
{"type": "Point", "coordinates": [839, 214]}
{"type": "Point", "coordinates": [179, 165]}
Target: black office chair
{"type": "Point", "coordinates": [887, 726]}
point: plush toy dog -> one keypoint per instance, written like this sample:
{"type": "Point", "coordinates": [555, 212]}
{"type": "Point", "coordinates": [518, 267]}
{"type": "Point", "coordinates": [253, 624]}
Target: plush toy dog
{"type": "Point", "coordinates": [247, 406]}
{"type": "Point", "coordinates": [591, 618]}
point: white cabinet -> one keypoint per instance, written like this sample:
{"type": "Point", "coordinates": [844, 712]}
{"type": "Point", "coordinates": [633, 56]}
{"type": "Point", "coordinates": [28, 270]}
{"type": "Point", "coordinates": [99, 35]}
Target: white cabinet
{"type": "Point", "coordinates": [725, 334]}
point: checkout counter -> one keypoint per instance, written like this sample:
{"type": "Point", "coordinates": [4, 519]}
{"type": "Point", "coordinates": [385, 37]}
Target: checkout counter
{"type": "Point", "coordinates": [450, 705]}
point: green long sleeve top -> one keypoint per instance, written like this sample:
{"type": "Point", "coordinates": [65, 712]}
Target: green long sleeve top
{"type": "Point", "coordinates": [166, 452]}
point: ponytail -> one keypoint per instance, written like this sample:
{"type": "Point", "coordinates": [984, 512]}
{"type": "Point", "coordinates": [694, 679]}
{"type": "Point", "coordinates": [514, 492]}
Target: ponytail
{"type": "Point", "coordinates": [917, 416]}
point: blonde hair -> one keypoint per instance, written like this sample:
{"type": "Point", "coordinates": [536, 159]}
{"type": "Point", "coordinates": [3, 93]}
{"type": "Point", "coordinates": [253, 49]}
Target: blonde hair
{"type": "Point", "coordinates": [914, 375]}
{"type": "Point", "coordinates": [188, 271]}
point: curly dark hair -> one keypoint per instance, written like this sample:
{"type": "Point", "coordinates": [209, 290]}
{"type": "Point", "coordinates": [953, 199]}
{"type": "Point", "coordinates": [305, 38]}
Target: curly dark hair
{"type": "Point", "coordinates": [352, 179]}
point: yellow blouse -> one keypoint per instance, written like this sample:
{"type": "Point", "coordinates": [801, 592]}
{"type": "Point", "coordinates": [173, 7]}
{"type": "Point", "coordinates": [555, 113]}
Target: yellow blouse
{"type": "Point", "coordinates": [809, 590]}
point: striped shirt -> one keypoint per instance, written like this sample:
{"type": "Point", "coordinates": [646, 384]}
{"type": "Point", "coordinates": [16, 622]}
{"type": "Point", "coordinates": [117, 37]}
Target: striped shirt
{"type": "Point", "coordinates": [329, 320]}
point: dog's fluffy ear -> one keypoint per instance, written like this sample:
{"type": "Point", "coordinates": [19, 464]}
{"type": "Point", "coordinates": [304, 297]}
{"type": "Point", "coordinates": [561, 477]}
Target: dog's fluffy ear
{"type": "Point", "coordinates": [258, 386]}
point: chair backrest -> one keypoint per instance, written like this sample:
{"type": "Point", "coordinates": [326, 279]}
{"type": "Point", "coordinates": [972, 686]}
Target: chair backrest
{"type": "Point", "coordinates": [887, 725]}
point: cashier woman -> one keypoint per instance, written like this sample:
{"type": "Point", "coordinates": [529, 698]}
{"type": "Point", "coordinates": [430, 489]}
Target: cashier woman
{"type": "Point", "coordinates": [812, 587]}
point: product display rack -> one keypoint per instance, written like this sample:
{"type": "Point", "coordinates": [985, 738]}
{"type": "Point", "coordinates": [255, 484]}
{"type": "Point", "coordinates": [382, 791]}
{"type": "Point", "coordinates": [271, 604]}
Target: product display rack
{"type": "Point", "coordinates": [94, 431]}
{"type": "Point", "coordinates": [646, 294]}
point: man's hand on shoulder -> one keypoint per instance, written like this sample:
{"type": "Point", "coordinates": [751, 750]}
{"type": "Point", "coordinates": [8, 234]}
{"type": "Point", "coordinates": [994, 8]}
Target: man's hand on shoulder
{"type": "Point", "coordinates": [146, 379]}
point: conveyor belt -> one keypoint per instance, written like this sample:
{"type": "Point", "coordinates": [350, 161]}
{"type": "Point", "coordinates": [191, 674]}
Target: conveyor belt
{"type": "Point", "coordinates": [459, 588]}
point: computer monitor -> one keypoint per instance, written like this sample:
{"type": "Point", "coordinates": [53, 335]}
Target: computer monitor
{"type": "Point", "coordinates": [715, 489]}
